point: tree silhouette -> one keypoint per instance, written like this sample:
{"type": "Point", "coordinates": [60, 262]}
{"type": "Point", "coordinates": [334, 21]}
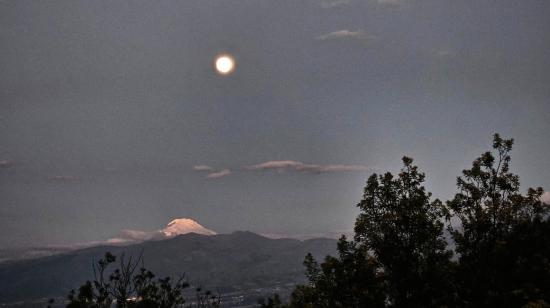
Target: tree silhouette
{"type": "Point", "coordinates": [271, 302]}
{"type": "Point", "coordinates": [403, 229]}
{"type": "Point", "coordinates": [503, 239]}
{"type": "Point", "coordinates": [128, 287]}
{"type": "Point", "coordinates": [352, 279]}
{"type": "Point", "coordinates": [398, 256]}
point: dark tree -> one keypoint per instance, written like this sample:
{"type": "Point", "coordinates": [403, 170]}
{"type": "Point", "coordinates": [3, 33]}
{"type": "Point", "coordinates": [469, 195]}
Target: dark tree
{"type": "Point", "coordinates": [128, 287]}
{"type": "Point", "coordinates": [398, 256]}
{"type": "Point", "coordinates": [271, 302]}
{"type": "Point", "coordinates": [352, 279]}
{"type": "Point", "coordinates": [503, 239]}
{"type": "Point", "coordinates": [403, 229]}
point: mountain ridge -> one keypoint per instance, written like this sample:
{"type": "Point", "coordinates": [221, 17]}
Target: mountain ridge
{"type": "Point", "coordinates": [233, 262]}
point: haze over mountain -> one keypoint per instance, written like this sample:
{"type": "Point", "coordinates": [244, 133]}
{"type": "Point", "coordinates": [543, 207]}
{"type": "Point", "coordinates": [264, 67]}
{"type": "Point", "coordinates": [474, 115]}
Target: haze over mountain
{"type": "Point", "coordinates": [175, 227]}
{"type": "Point", "coordinates": [233, 264]}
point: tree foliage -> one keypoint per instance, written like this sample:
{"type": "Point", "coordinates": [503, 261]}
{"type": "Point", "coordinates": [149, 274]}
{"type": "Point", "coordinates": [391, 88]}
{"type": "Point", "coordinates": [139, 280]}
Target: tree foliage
{"type": "Point", "coordinates": [503, 239]}
{"type": "Point", "coordinates": [403, 229]}
{"type": "Point", "coordinates": [271, 302]}
{"type": "Point", "coordinates": [129, 287]}
{"type": "Point", "coordinates": [350, 280]}
{"type": "Point", "coordinates": [399, 256]}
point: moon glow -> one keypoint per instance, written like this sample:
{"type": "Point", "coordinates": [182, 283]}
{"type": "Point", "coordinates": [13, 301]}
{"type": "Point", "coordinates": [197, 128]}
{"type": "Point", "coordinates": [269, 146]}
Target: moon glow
{"type": "Point", "coordinates": [225, 64]}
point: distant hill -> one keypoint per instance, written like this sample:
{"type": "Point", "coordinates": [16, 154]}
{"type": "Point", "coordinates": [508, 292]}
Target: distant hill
{"type": "Point", "coordinates": [229, 263]}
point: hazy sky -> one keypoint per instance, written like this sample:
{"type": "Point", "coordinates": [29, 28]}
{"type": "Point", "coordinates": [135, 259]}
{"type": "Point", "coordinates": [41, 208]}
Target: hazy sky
{"type": "Point", "coordinates": [107, 108]}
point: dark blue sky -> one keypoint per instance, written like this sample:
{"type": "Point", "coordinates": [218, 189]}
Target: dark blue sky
{"type": "Point", "coordinates": [106, 107]}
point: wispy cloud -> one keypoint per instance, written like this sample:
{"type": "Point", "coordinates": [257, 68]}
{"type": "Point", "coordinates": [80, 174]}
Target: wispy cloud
{"type": "Point", "coordinates": [306, 236]}
{"type": "Point", "coordinates": [211, 172]}
{"type": "Point", "coordinates": [63, 178]}
{"type": "Point", "coordinates": [546, 197]}
{"type": "Point", "coordinates": [346, 34]}
{"type": "Point", "coordinates": [297, 166]}
{"type": "Point", "coordinates": [202, 168]}
{"type": "Point", "coordinates": [282, 166]}
{"type": "Point", "coordinates": [328, 4]}
{"type": "Point", "coordinates": [218, 174]}
{"type": "Point", "coordinates": [390, 2]}
{"type": "Point", "coordinates": [443, 53]}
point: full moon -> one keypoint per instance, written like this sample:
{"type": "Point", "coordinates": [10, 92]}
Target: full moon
{"type": "Point", "coordinates": [225, 64]}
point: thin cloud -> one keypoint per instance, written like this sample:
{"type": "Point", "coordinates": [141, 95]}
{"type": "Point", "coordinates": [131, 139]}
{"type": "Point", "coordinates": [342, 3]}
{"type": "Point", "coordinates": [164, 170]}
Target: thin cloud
{"type": "Point", "coordinates": [307, 236]}
{"type": "Point", "coordinates": [297, 166]}
{"type": "Point", "coordinates": [328, 4]}
{"type": "Point", "coordinates": [340, 168]}
{"type": "Point", "coordinates": [546, 197]}
{"type": "Point", "coordinates": [218, 174]}
{"type": "Point", "coordinates": [443, 53]}
{"type": "Point", "coordinates": [202, 168]}
{"type": "Point", "coordinates": [211, 172]}
{"type": "Point", "coordinates": [390, 2]}
{"type": "Point", "coordinates": [277, 165]}
{"type": "Point", "coordinates": [63, 178]}
{"type": "Point", "coordinates": [346, 34]}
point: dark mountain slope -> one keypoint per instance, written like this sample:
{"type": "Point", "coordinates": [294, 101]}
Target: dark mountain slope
{"type": "Point", "coordinates": [224, 262]}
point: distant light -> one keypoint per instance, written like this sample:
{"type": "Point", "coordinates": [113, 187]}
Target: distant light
{"type": "Point", "coordinates": [225, 64]}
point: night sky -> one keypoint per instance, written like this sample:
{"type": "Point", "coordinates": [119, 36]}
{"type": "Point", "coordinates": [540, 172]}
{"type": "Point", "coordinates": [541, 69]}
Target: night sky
{"type": "Point", "coordinates": [112, 116]}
